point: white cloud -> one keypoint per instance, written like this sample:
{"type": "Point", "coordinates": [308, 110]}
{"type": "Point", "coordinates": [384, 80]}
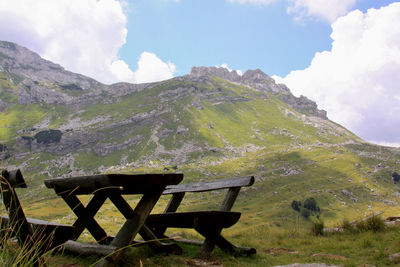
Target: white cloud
{"type": "Point", "coordinates": [82, 36]}
{"type": "Point", "coordinates": [327, 10]}
{"type": "Point", "coordinates": [357, 82]}
{"type": "Point", "coordinates": [259, 2]}
{"type": "Point", "coordinates": [151, 68]}
{"type": "Point", "coordinates": [225, 66]}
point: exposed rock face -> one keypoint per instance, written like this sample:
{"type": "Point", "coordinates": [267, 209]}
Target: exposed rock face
{"type": "Point", "coordinates": [27, 64]}
{"type": "Point", "coordinates": [262, 82]}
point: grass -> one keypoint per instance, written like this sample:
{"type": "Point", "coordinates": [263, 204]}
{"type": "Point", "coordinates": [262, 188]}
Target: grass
{"type": "Point", "coordinates": [274, 247]}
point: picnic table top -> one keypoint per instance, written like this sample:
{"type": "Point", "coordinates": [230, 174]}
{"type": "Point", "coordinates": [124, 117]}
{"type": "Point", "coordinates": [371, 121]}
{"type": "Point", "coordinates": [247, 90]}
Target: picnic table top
{"type": "Point", "coordinates": [123, 183]}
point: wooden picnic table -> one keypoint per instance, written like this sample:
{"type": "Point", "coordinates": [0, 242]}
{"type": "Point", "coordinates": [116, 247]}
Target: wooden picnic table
{"type": "Point", "coordinates": [113, 186]}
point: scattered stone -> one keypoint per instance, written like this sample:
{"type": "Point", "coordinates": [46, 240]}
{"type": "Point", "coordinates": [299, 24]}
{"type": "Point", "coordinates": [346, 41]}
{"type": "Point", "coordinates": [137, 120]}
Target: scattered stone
{"type": "Point", "coordinates": [395, 258]}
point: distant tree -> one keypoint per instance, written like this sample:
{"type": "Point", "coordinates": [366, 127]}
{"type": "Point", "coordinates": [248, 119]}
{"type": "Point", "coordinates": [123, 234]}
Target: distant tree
{"type": "Point", "coordinates": [305, 213]}
{"type": "Point", "coordinates": [311, 205]}
{"type": "Point", "coordinates": [296, 205]}
{"type": "Point", "coordinates": [396, 177]}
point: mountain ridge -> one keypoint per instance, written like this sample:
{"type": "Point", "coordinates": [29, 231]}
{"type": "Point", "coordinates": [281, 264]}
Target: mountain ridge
{"type": "Point", "coordinates": [208, 124]}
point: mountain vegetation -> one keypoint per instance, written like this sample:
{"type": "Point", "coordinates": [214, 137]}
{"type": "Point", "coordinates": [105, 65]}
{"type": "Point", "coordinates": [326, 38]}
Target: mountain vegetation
{"type": "Point", "coordinates": [209, 124]}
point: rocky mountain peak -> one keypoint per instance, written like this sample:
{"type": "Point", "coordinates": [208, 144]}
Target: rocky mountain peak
{"type": "Point", "coordinates": [260, 81]}
{"type": "Point", "coordinates": [29, 65]}
{"type": "Point", "coordinates": [256, 75]}
{"type": "Point", "coordinates": [216, 71]}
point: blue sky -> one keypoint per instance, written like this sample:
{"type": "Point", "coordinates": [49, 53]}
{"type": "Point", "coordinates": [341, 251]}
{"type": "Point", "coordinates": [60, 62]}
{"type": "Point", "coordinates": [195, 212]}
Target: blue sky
{"type": "Point", "coordinates": [212, 32]}
{"type": "Point", "coordinates": [343, 54]}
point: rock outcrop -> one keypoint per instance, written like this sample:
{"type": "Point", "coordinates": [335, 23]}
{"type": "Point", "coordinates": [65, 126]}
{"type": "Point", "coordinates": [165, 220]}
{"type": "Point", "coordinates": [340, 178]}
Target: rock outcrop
{"type": "Point", "coordinates": [262, 82]}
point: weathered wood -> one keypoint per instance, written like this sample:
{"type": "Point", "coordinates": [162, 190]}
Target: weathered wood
{"type": "Point", "coordinates": [122, 183]}
{"type": "Point", "coordinates": [208, 245]}
{"type": "Point", "coordinates": [230, 198]}
{"type": "Point", "coordinates": [81, 249]}
{"type": "Point", "coordinates": [17, 219]}
{"type": "Point", "coordinates": [31, 233]}
{"type": "Point", "coordinates": [133, 225]}
{"type": "Point", "coordinates": [244, 250]}
{"type": "Point", "coordinates": [79, 209]}
{"type": "Point", "coordinates": [174, 203]}
{"type": "Point", "coordinates": [212, 185]}
{"type": "Point", "coordinates": [15, 178]}
{"type": "Point", "coordinates": [90, 211]}
{"type": "Point", "coordinates": [223, 219]}
{"type": "Point", "coordinates": [227, 205]}
{"type": "Point", "coordinates": [145, 232]}
{"type": "Point", "coordinates": [172, 206]}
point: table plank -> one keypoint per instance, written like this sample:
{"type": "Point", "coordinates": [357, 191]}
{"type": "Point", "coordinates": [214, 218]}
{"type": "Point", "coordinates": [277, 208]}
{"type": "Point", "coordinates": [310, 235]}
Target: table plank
{"type": "Point", "coordinates": [124, 183]}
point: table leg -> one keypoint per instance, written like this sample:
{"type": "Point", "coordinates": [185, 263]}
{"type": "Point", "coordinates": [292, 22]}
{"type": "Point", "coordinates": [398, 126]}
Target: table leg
{"type": "Point", "coordinates": [86, 216]}
{"type": "Point", "coordinates": [132, 226]}
{"type": "Point", "coordinates": [145, 232]}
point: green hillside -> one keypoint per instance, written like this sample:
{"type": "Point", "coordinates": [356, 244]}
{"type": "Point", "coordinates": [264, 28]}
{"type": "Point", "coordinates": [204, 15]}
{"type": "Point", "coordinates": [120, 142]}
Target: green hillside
{"type": "Point", "coordinates": [205, 125]}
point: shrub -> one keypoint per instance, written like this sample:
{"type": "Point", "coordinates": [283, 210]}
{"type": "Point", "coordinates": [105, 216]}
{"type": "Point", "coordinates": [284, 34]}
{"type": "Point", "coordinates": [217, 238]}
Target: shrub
{"type": "Point", "coordinates": [48, 136]}
{"type": "Point", "coordinates": [305, 213]}
{"type": "Point", "coordinates": [311, 204]}
{"type": "Point", "coordinates": [296, 205]}
{"type": "Point", "coordinates": [317, 227]}
{"type": "Point", "coordinates": [396, 177]}
{"type": "Point", "coordinates": [375, 224]}
{"type": "Point", "coordinates": [347, 226]}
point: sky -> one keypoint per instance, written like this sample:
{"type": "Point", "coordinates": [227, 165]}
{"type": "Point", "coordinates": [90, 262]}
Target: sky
{"type": "Point", "coordinates": [343, 54]}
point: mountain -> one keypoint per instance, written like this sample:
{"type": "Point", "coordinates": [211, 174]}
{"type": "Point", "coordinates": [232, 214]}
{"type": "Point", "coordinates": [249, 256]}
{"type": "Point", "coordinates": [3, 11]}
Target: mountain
{"type": "Point", "coordinates": [210, 123]}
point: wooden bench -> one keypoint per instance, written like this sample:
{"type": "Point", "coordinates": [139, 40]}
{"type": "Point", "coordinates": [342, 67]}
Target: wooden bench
{"type": "Point", "coordinates": [207, 223]}
{"type": "Point", "coordinates": [36, 236]}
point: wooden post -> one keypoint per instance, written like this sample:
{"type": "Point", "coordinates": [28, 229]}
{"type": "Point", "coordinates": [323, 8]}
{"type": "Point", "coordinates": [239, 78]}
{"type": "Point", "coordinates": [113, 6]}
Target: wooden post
{"type": "Point", "coordinates": [90, 211]}
{"type": "Point", "coordinates": [17, 219]}
{"type": "Point", "coordinates": [79, 209]}
{"type": "Point", "coordinates": [132, 226]}
{"type": "Point", "coordinates": [227, 205]}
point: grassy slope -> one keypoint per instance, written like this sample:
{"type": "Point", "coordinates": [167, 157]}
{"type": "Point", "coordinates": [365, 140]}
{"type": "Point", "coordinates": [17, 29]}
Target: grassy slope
{"type": "Point", "coordinates": [291, 160]}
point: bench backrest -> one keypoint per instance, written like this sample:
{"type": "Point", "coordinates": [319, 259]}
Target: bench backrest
{"type": "Point", "coordinates": [234, 185]}
{"type": "Point", "coordinates": [208, 186]}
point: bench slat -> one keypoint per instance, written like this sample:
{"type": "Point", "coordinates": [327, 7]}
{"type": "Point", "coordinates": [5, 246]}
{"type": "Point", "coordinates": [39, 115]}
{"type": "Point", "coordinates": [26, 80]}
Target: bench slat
{"type": "Point", "coordinates": [223, 219]}
{"type": "Point", "coordinates": [38, 222]}
{"type": "Point", "coordinates": [208, 186]}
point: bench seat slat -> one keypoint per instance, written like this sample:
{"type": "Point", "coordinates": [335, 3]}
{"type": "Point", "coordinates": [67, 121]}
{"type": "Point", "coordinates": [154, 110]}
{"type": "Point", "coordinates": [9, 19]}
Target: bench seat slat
{"type": "Point", "coordinates": [38, 222]}
{"type": "Point", "coordinates": [223, 219]}
{"type": "Point", "coordinates": [208, 186]}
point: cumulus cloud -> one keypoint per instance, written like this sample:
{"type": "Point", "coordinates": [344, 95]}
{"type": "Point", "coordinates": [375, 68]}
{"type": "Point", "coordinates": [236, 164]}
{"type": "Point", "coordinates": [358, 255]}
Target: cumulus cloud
{"type": "Point", "coordinates": [327, 10]}
{"type": "Point", "coordinates": [82, 36]}
{"type": "Point", "coordinates": [151, 68]}
{"type": "Point", "coordinates": [357, 82]}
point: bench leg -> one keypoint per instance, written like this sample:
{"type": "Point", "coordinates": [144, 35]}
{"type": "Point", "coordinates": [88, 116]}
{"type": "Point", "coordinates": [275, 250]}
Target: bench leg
{"type": "Point", "coordinates": [214, 237]}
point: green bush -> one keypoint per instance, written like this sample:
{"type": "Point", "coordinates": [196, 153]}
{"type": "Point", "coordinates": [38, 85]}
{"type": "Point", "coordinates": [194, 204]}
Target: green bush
{"type": "Point", "coordinates": [317, 227]}
{"type": "Point", "coordinates": [375, 224]}
{"type": "Point", "coordinates": [305, 213]}
{"type": "Point", "coordinates": [296, 205]}
{"type": "Point", "coordinates": [347, 226]}
{"type": "Point", "coordinates": [311, 204]}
